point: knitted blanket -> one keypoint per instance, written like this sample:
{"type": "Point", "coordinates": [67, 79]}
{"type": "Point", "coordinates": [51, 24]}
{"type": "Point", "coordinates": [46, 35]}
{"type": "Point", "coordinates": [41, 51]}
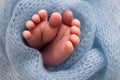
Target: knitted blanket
{"type": "Point", "coordinates": [96, 58]}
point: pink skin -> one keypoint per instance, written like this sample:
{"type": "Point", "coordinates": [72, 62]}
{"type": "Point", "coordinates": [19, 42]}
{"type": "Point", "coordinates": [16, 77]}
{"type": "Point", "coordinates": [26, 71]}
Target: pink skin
{"type": "Point", "coordinates": [56, 38]}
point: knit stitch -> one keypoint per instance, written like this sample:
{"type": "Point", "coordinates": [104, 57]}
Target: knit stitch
{"type": "Point", "coordinates": [96, 58]}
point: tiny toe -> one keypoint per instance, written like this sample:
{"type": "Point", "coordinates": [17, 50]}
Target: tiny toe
{"type": "Point", "coordinates": [67, 17]}
{"type": "Point", "coordinates": [36, 18]}
{"type": "Point", "coordinates": [74, 39]}
{"type": "Point", "coordinates": [75, 30]}
{"type": "Point", "coordinates": [26, 34]}
{"type": "Point", "coordinates": [43, 14]}
{"type": "Point", "coordinates": [76, 22]}
{"type": "Point", "coordinates": [30, 24]}
{"type": "Point", "coordinates": [69, 47]}
{"type": "Point", "coordinates": [55, 19]}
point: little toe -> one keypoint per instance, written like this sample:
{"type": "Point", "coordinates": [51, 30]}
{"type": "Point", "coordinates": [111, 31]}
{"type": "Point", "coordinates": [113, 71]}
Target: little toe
{"type": "Point", "coordinates": [75, 22]}
{"type": "Point", "coordinates": [75, 30]}
{"type": "Point", "coordinates": [30, 24]}
{"type": "Point", "coordinates": [69, 48]}
{"type": "Point", "coordinates": [43, 14]}
{"type": "Point", "coordinates": [74, 39]}
{"type": "Point", "coordinates": [55, 20]}
{"type": "Point", "coordinates": [36, 18]}
{"type": "Point", "coordinates": [67, 17]}
{"type": "Point", "coordinates": [26, 34]}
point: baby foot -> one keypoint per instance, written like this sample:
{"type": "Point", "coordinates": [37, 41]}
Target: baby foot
{"type": "Point", "coordinates": [40, 30]}
{"type": "Point", "coordinates": [65, 42]}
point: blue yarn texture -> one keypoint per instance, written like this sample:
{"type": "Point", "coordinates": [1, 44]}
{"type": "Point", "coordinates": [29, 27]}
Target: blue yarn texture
{"type": "Point", "coordinates": [96, 58]}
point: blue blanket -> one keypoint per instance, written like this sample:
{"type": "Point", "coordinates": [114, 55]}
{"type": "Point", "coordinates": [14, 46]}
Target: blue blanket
{"type": "Point", "coordinates": [96, 58]}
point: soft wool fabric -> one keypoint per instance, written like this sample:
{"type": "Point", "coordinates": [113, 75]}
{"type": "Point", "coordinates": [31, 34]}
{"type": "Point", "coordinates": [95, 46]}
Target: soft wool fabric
{"type": "Point", "coordinates": [96, 58]}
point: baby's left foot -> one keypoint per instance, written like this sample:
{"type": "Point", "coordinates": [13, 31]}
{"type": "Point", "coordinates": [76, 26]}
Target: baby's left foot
{"type": "Point", "coordinates": [65, 42]}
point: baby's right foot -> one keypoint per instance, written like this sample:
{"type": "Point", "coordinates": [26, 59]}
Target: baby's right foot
{"type": "Point", "coordinates": [40, 30]}
{"type": "Point", "coordinates": [61, 36]}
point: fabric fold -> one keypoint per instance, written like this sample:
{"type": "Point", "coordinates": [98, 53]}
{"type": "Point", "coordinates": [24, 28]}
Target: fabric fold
{"type": "Point", "coordinates": [97, 53]}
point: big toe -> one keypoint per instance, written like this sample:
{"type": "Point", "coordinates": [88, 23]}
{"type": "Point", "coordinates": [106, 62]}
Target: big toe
{"type": "Point", "coordinates": [55, 20]}
{"type": "Point", "coordinates": [51, 31]}
{"type": "Point", "coordinates": [67, 17]}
